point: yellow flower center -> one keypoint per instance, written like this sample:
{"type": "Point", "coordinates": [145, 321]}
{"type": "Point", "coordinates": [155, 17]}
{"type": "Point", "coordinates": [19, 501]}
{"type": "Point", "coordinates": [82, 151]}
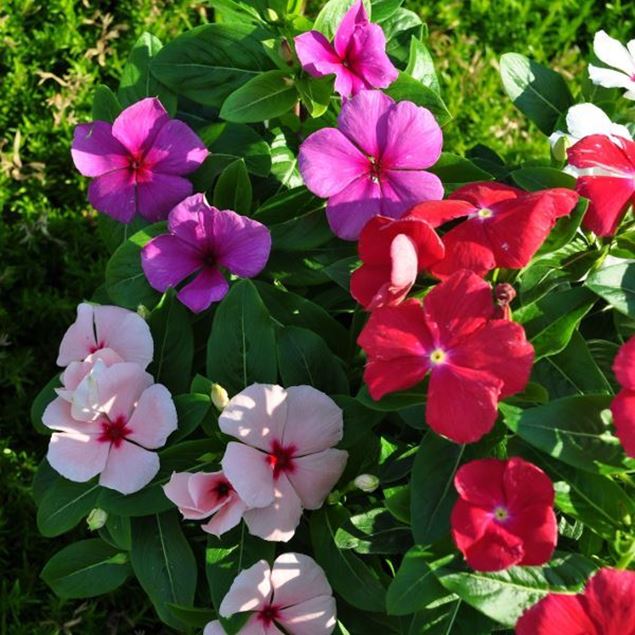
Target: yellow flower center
{"type": "Point", "coordinates": [500, 513]}
{"type": "Point", "coordinates": [485, 213]}
{"type": "Point", "coordinates": [437, 356]}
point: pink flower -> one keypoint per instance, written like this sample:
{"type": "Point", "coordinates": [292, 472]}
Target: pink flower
{"type": "Point", "coordinates": [201, 240]}
{"type": "Point", "coordinates": [374, 162]}
{"type": "Point", "coordinates": [504, 515]}
{"type": "Point", "coordinates": [605, 608]}
{"type": "Point", "coordinates": [393, 253]}
{"type": "Point", "coordinates": [285, 461]}
{"type": "Point", "coordinates": [503, 226]}
{"type": "Point", "coordinates": [623, 406]}
{"type": "Point", "coordinates": [357, 56]}
{"type": "Point", "coordinates": [138, 161]}
{"type": "Point", "coordinates": [474, 360]}
{"type": "Point", "coordinates": [202, 495]}
{"type": "Point", "coordinates": [121, 416]}
{"type": "Point", "coordinates": [606, 172]}
{"type": "Point", "coordinates": [106, 333]}
{"type": "Point", "coordinates": [294, 595]}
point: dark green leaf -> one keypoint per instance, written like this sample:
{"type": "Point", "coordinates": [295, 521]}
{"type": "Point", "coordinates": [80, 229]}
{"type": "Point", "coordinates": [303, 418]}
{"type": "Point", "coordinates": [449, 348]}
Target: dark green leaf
{"type": "Point", "coordinates": [233, 188]}
{"type": "Point", "coordinates": [399, 29]}
{"type": "Point", "coordinates": [456, 171]}
{"type": "Point", "coordinates": [375, 531]}
{"type": "Point", "coordinates": [43, 399]}
{"type": "Point", "coordinates": [394, 401]}
{"type": "Point", "coordinates": [539, 178]}
{"type": "Point", "coordinates": [421, 67]}
{"type": "Point", "coordinates": [106, 106]}
{"type": "Point", "coordinates": [191, 410]}
{"type": "Point", "coordinates": [616, 285]}
{"type": "Point", "coordinates": [315, 93]}
{"type": "Point", "coordinates": [410, 89]}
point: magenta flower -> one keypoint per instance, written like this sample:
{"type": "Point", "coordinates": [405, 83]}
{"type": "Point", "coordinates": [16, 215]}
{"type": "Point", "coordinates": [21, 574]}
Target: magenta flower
{"type": "Point", "coordinates": [138, 161]}
{"type": "Point", "coordinates": [374, 162]}
{"type": "Point", "coordinates": [203, 239]}
{"type": "Point", "coordinates": [357, 56]}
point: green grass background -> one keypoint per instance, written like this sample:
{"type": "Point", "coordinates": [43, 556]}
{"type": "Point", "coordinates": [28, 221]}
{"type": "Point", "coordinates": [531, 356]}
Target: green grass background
{"type": "Point", "coordinates": [52, 54]}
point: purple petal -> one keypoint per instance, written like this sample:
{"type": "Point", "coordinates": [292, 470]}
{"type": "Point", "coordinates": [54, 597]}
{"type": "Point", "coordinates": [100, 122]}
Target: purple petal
{"type": "Point", "coordinates": [95, 151]}
{"type": "Point", "coordinates": [114, 194]}
{"type": "Point", "coordinates": [240, 243]}
{"type": "Point", "coordinates": [329, 162]}
{"type": "Point", "coordinates": [347, 83]}
{"type": "Point", "coordinates": [316, 55]}
{"type": "Point", "coordinates": [354, 17]}
{"type": "Point", "coordinates": [367, 57]}
{"type": "Point", "coordinates": [167, 260]}
{"type": "Point", "coordinates": [352, 208]}
{"type": "Point", "coordinates": [402, 190]}
{"type": "Point", "coordinates": [157, 194]}
{"type": "Point", "coordinates": [137, 126]}
{"type": "Point", "coordinates": [208, 286]}
{"type": "Point", "coordinates": [413, 138]}
{"type": "Point", "coordinates": [187, 220]}
{"type": "Point", "coordinates": [363, 120]}
{"type": "Point", "coordinates": [175, 150]}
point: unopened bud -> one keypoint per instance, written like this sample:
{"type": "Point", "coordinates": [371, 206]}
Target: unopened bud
{"type": "Point", "coordinates": [366, 482]}
{"type": "Point", "coordinates": [505, 294]}
{"type": "Point", "coordinates": [96, 519]}
{"type": "Point", "coordinates": [220, 398]}
{"type": "Point", "coordinates": [143, 311]}
{"type": "Point", "coordinates": [286, 53]}
{"type": "Point", "coordinates": [559, 148]}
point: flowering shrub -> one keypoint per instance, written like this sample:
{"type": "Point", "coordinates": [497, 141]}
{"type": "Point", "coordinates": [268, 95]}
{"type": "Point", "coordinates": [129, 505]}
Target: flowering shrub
{"type": "Point", "coordinates": [338, 379]}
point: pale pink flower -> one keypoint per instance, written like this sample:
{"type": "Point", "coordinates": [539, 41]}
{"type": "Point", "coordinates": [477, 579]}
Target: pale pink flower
{"type": "Point", "coordinates": [294, 595]}
{"type": "Point", "coordinates": [116, 418]}
{"type": "Point", "coordinates": [106, 333]}
{"type": "Point", "coordinates": [286, 460]}
{"type": "Point", "coordinates": [204, 494]}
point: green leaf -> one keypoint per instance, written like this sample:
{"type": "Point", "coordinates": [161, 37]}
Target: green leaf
{"type": "Point", "coordinates": [125, 281]}
{"type": "Point", "coordinates": [375, 531]}
{"type": "Point", "coordinates": [565, 229]}
{"type": "Point", "coordinates": [113, 233]}
{"type": "Point", "coordinates": [42, 400]}
{"type": "Point", "coordinates": [432, 479]}
{"type": "Point", "coordinates": [164, 564]}
{"type": "Point", "coordinates": [394, 401]}
{"type": "Point", "coordinates": [192, 616]}
{"type": "Point", "coordinates": [505, 595]}
{"type": "Point", "coordinates": [191, 409]}
{"type": "Point", "coordinates": [315, 93]}
{"type": "Point", "coordinates": [421, 67]}
{"type": "Point", "coordinates": [209, 62]}
{"type": "Point", "coordinates": [106, 106]}
{"type": "Point", "coordinates": [233, 188]}
{"type": "Point", "coordinates": [540, 178]}
{"type": "Point", "coordinates": [86, 569]}
{"type": "Point", "coordinates": [284, 163]}
{"type": "Point", "coordinates": [616, 285]}
{"type": "Point", "coordinates": [456, 171]}
{"type": "Point", "coordinates": [571, 430]}
{"type": "Point", "coordinates": [304, 358]}
{"type": "Point", "coordinates": [264, 97]}
{"type": "Point", "coordinates": [331, 14]}
{"type": "Point", "coordinates": [241, 348]}
{"type": "Point", "coordinates": [415, 585]}
{"type": "Point", "coordinates": [350, 576]}
{"type": "Point", "coordinates": [540, 93]}
{"type": "Point", "coordinates": [117, 532]}
{"type": "Point", "coordinates": [551, 321]}
{"type": "Point", "coordinates": [384, 9]}
{"type": "Point", "coordinates": [399, 30]}
{"type": "Point", "coordinates": [406, 88]}
{"type": "Point", "coordinates": [136, 80]}
{"type": "Point", "coordinates": [173, 339]}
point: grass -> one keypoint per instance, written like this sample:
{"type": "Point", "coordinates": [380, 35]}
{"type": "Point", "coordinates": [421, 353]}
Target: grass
{"type": "Point", "coordinates": [52, 56]}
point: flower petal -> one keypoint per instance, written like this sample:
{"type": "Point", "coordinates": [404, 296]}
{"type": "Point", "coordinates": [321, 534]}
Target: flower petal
{"type": "Point", "coordinates": [95, 151]}
{"type": "Point", "coordinates": [403, 189]}
{"type": "Point", "coordinates": [537, 527]}
{"type": "Point", "coordinates": [314, 421]}
{"type": "Point", "coordinates": [167, 260]}
{"type": "Point", "coordinates": [77, 456]}
{"type": "Point", "coordinates": [526, 484]}
{"type": "Point", "coordinates": [613, 53]}
{"type": "Point", "coordinates": [115, 194]}
{"type": "Point", "coordinates": [624, 365]}
{"type": "Point", "coordinates": [480, 482]}
{"type": "Point", "coordinates": [556, 613]}
{"type": "Point", "coordinates": [316, 55]}
{"type": "Point", "coordinates": [207, 287]}
{"type": "Point", "coordinates": [138, 125]}
{"type": "Point", "coordinates": [355, 16]}
{"type": "Point", "coordinates": [57, 416]}
{"type": "Point", "coordinates": [366, 57]}
{"type": "Point", "coordinates": [154, 418]}
{"type": "Point", "coordinates": [486, 194]}
{"type": "Point", "coordinates": [296, 578]}
{"type": "Point", "coordinates": [468, 524]}
{"type": "Point", "coordinates": [609, 199]}
{"type": "Point", "coordinates": [176, 149]}
{"type": "Point", "coordinates": [608, 601]}
{"type": "Point", "coordinates": [329, 162]}
{"type": "Point", "coordinates": [79, 340]}
{"type": "Point", "coordinates": [315, 475]}
{"type": "Point", "coordinates": [316, 616]}
{"type": "Point", "coordinates": [159, 193]}
{"type": "Point", "coordinates": [227, 517]}
{"type": "Point", "coordinates": [439, 212]}
{"type": "Point", "coordinates": [177, 491]}
{"type": "Point", "coordinates": [249, 473]}
{"type": "Point", "coordinates": [623, 409]}
{"type": "Point", "coordinates": [129, 468]}
{"type": "Point", "coordinates": [250, 590]}
{"type": "Point", "coordinates": [497, 549]}
{"type": "Point", "coordinates": [369, 286]}
{"type": "Point", "coordinates": [214, 628]}
{"type": "Point", "coordinates": [598, 151]}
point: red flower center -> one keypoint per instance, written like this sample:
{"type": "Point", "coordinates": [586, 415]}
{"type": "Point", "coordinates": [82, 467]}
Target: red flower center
{"type": "Point", "coordinates": [114, 432]}
{"type": "Point", "coordinates": [280, 458]}
{"type": "Point", "coordinates": [97, 347]}
{"type": "Point", "coordinates": [268, 614]}
{"type": "Point", "coordinates": [222, 489]}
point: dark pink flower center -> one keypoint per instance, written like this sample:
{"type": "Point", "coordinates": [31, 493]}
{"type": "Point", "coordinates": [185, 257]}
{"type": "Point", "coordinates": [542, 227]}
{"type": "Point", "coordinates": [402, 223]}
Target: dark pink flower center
{"type": "Point", "coordinates": [222, 489]}
{"type": "Point", "coordinates": [97, 347]}
{"type": "Point", "coordinates": [374, 172]}
{"type": "Point", "coordinates": [280, 458]}
{"type": "Point", "coordinates": [114, 432]}
{"type": "Point", "coordinates": [268, 614]}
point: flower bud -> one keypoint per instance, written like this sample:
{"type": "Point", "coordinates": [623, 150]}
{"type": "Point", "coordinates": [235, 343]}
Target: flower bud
{"type": "Point", "coordinates": [220, 398]}
{"type": "Point", "coordinates": [505, 294]}
{"type": "Point", "coordinates": [143, 311]}
{"type": "Point", "coordinates": [366, 482]}
{"type": "Point", "coordinates": [559, 148]}
{"type": "Point", "coordinates": [96, 519]}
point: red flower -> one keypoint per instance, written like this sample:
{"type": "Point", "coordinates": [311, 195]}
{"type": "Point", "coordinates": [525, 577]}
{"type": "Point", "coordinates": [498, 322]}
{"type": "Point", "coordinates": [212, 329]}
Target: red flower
{"type": "Point", "coordinates": [505, 226]}
{"type": "Point", "coordinates": [623, 406]}
{"type": "Point", "coordinates": [605, 608]}
{"type": "Point", "coordinates": [607, 179]}
{"type": "Point", "coordinates": [504, 515]}
{"type": "Point", "coordinates": [473, 359]}
{"type": "Point", "coordinates": [393, 252]}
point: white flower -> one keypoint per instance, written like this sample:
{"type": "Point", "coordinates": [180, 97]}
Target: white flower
{"type": "Point", "coordinates": [613, 53]}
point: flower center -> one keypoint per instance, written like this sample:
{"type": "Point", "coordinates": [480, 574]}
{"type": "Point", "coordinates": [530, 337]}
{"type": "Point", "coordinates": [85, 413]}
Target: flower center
{"type": "Point", "coordinates": [93, 349]}
{"type": "Point", "coordinates": [114, 432]}
{"type": "Point", "coordinates": [437, 356]}
{"type": "Point", "coordinates": [500, 513]}
{"type": "Point", "coordinates": [222, 489]}
{"type": "Point", "coordinates": [485, 213]}
{"type": "Point", "coordinates": [268, 615]}
{"type": "Point", "coordinates": [375, 170]}
{"type": "Point", "coordinates": [280, 458]}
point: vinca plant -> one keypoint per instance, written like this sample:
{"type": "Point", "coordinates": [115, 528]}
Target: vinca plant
{"type": "Point", "coordinates": [339, 378]}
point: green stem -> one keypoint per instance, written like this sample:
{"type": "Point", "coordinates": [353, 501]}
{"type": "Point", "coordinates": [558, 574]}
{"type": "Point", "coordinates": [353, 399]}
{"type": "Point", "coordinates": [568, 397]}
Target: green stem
{"type": "Point", "coordinates": [626, 558]}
